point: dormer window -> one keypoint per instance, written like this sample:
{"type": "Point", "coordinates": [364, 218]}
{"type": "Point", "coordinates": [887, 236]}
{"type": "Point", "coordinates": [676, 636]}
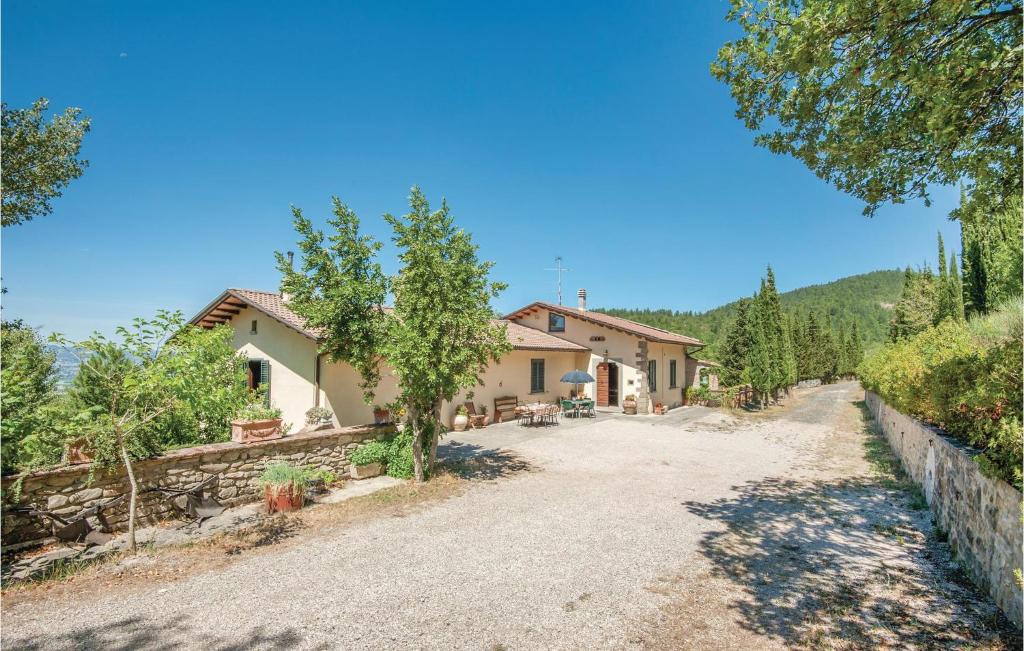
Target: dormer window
{"type": "Point", "coordinates": [556, 322]}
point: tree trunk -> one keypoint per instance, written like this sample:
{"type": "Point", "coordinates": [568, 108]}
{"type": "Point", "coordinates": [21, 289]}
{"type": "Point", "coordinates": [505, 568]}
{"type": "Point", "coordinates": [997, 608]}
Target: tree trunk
{"type": "Point", "coordinates": [132, 500]}
{"type": "Point", "coordinates": [417, 446]}
{"type": "Point", "coordinates": [435, 438]}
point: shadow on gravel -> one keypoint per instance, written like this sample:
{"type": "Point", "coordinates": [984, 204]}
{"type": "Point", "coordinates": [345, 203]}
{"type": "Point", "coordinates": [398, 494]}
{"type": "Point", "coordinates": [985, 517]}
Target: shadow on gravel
{"type": "Point", "coordinates": [133, 633]}
{"type": "Point", "coordinates": [842, 564]}
{"type": "Point", "coordinates": [471, 461]}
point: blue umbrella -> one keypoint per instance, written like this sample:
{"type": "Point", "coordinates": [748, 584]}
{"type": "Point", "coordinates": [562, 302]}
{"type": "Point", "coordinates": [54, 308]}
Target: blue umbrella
{"type": "Point", "coordinates": [577, 377]}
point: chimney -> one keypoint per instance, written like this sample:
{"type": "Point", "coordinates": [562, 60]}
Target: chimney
{"type": "Point", "coordinates": [291, 264]}
{"type": "Point", "coordinates": [582, 300]}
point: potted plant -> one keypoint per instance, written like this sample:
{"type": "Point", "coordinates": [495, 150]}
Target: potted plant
{"type": "Point", "coordinates": [484, 419]}
{"type": "Point", "coordinates": [368, 459]}
{"type": "Point", "coordinates": [319, 418]}
{"type": "Point", "coordinates": [284, 487]}
{"type": "Point", "coordinates": [629, 404]}
{"type": "Point", "coordinates": [256, 422]}
{"type": "Point", "coordinates": [660, 409]}
{"type": "Point", "coordinates": [77, 451]}
{"type": "Point", "coordinates": [381, 415]}
{"type": "Point", "coordinates": [318, 481]}
{"type": "Point", "coordinates": [461, 419]}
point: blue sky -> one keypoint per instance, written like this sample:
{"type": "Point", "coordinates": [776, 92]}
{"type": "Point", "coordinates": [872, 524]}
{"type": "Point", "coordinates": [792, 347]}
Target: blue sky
{"type": "Point", "coordinates": [593, 131]}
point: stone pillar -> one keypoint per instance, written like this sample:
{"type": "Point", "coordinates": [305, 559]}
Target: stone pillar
{"type": "Point", "coordinates": [643, 397]}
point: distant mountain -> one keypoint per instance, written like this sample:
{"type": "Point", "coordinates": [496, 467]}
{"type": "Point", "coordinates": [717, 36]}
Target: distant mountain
{"type": "Point", "coordinates": [866, 299]}
{"type": "Point", "coordinates": [67, 364]}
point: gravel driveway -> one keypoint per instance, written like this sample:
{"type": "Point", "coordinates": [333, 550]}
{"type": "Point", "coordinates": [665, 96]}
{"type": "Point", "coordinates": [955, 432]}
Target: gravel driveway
{"type": "Point", "coordinates": [620, 534]}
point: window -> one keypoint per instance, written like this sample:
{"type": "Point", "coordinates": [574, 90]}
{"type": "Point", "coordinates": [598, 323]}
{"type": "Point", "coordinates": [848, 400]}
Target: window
{"type": "Point", "coordinates": [556, 322]}
{"type": "Point", "coordinates": [672, 374]}
{"type": "Point", "coordinates": [536, 376]}
{"type": "Point", "coordinates": [252, 330]}
{"type": "Point", "coordinates": [652, 375]}
{"type": "Point", "coordinates": [259, 376]}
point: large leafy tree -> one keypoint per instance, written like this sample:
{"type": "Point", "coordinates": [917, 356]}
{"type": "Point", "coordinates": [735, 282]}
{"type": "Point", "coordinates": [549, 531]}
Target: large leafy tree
{"type": "Point", "coordinates": [883, 98]}
{"type": "Point", "coordinates": [38, 159]}
{"type": "Point", "coordinates": [159, 383]}
{"type": "Point", "coordinates": [441, 335]}
{"type": "Point", "coordinates": [340, 291]}
{"type": "Point", "coordinates": [27, 379]}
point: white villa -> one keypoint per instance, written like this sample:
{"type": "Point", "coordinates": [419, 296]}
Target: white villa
{"type": "Point", "coordinates": [548, 340]}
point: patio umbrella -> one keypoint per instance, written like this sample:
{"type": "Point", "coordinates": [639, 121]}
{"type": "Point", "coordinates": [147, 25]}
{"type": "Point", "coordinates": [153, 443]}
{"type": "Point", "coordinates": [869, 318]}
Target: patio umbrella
{"type": "Point", "coordinates": [577, 377]}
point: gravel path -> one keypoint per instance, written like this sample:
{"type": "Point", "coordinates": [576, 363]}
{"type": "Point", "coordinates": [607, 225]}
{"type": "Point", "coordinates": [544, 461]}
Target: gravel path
{"type": "Point", "coordinates": [615, 538]}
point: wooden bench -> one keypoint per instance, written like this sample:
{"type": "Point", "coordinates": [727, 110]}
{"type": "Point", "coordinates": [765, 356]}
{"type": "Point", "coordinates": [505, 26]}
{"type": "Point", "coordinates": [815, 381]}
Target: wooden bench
{"type": "Point", "coordinates": [505, 408]}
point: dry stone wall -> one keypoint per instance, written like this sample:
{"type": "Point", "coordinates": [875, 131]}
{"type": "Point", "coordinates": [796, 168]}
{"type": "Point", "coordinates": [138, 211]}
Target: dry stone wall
{"type": "Point", "coordinates": [981, 515]}
{"type": "Point", "coordinates": [66, 491]}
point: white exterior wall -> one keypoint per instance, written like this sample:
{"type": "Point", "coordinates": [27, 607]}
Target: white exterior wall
{"type": "Point", "coordinates": [511, 377]}
{"type": "Point", "coordinates": [620, 348]}
{"type": "Point", "coordinates": [291, 356]}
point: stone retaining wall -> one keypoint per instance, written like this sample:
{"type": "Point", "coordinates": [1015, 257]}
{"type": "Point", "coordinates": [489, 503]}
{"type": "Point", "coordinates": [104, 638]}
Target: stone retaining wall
{"type": "Point", "coordinates": [67, 490]}
{"type": "Point", "coordinates": [982, 515]}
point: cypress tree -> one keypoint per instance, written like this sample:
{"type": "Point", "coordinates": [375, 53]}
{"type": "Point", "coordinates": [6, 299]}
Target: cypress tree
{"type": "Point", "coordinates": [829, 354]}
{"type": "Point", "coordinates": [771, 319]}
{"type": "Point", "coordinates": [761, 372]}
{"type": "Point", "coordinates": [812, 341]}
{"type": "Point", "coordinates": [736, 355]}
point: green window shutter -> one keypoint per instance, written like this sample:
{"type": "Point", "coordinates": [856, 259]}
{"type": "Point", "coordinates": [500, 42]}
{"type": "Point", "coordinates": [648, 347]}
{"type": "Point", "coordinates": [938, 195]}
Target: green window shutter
{"type": "Point", "coordinates": [265, 377]}
{"type": "Point", "coordinates": [652, 375]}
{"type": "Point", "coordinates": [672, 374]}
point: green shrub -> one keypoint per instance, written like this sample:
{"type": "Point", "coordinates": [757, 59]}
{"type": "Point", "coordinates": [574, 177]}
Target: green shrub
{"type": "Point", "coordinates": [371, 452]}
{"type": "Point", "coordinates": [964, 378]}
{"type": "Point", "coordinates": [282, 474]}
{"type": "Point", "coordinates": [258, 411]}
{"type": "Point", "coordinates": [399, 457]}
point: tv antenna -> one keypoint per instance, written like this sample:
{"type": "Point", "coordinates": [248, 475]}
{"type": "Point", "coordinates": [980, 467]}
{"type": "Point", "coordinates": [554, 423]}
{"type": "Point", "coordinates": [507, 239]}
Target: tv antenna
{"type": "Point", "coordinates": [560, 269]}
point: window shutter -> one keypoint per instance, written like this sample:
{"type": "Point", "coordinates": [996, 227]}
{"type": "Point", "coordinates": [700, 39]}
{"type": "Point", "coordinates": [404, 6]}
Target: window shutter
{"type": "Point", "coordinates": [265, 377]}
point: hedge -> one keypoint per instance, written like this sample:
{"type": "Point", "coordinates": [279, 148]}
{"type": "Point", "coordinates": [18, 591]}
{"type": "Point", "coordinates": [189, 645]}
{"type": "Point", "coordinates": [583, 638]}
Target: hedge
{"type": "Point", "coordinates": [964, 378]}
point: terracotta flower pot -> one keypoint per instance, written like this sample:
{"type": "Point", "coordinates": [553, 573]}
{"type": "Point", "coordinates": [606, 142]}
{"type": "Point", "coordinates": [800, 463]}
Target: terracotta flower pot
{"type": "Point", "coordinates": [381, 416]}
{"type": "Point", "coordinates": [629, 406]}
{"type": "Point", "coordinates": [78, 452]}
{"type": "Point", "coordinates": [459, 422]}
{"type": "Point", "coordinates": [251, 431]}
{"type": "Point", "coordinates": [281, 499]}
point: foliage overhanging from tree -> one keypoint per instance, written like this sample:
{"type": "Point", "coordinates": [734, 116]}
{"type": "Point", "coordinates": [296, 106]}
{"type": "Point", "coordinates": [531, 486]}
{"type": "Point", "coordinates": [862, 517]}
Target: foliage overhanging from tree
{"type": "Point", "coordinates": [38, 159]}
{"type": "Point", "coordinates": [883, 98]}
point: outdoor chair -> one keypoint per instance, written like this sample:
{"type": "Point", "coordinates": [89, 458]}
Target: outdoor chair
{"type": "Point", "coordinates": [568, 408]}
{"type": "Point", "coordinates": [78, 529]}
{"type": "Point", "coordinates": [587, 408]}
{"type": "Point", "coordinates": [475, 419]}
{"type": "Point", "coordinates": [192, 503]}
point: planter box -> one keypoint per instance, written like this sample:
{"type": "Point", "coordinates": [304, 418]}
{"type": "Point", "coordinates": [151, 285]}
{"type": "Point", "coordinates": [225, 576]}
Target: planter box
{"type": "Point", "coordinates": [367, 471]}
{"type": "Point", "coordinates": [381, 416]}
{"type": "Point", "coordinates": [251, 431]}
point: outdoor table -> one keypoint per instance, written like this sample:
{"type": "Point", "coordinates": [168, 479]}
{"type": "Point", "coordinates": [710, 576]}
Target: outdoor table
{"type": "Point", "coordinates": [534, 410]}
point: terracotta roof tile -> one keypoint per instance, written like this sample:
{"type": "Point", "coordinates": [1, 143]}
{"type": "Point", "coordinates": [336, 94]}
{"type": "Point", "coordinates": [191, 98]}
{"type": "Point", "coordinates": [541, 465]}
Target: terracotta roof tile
{"type": "Point", "coordinates": [270, 303]}
{"type": "Point", "coordinates": [632, 327]}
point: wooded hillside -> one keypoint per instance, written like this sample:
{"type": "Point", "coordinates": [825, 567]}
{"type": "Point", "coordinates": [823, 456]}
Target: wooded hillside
{"type": "Point", "coordinates": [866, 299]}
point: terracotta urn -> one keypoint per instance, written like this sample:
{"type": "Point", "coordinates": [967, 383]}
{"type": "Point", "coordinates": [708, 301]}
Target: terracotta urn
{"type": "Point", "coordinates": [459, 422]}
{"type": "Point", "coordinates": [252, 431]}
{"type": "Point", "coordinates": [281, 499]}
{"type": "Point", "coordinates": [629, 406]}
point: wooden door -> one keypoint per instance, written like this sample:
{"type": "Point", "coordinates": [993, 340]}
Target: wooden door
{"type": "Point", "coordinates": [602, 384]}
